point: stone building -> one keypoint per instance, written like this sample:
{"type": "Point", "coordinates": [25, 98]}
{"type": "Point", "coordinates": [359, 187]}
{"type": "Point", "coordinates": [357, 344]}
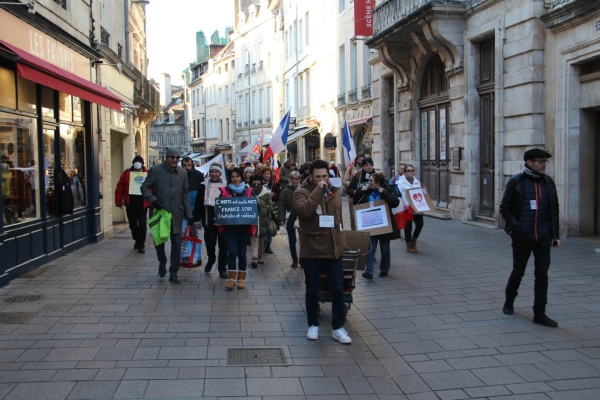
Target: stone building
{"type": "Point", "coordinates": [465, 87]}
{"type": "Point", "coordinates": [309, 42]}
{"type": "Point", "coordinates": [171, 127]}
{"type": "Point", "coordinates": [258, 40]}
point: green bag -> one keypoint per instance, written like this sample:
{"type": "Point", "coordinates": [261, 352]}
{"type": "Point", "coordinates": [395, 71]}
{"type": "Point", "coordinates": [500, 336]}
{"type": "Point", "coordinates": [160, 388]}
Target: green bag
{"type": "Point", "coordinates": [160, 226]}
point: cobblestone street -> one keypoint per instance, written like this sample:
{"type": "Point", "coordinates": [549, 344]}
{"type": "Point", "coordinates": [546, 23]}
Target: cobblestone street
{"type": "Point", "coordinates": [108, 327]}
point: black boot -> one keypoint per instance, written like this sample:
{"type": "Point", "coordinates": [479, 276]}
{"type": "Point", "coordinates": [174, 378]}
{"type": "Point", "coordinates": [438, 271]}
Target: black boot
{"type": "Point", "coordinates": [162, 269]}
{"type": "Point", "coordinates": [209, 265]}
{"type": "Point", "coordinates": [223, 274]}
{"type": "Point", "coordinates": [539, 317]}
{"type": "Point", "coordinates": [508, 308]}
{"type": "Point", "coordinates": [142, 249]}
{"type": "Point", "coordinates": [173, 278]}
{"type": "Point", "coordinates": [268, 248]}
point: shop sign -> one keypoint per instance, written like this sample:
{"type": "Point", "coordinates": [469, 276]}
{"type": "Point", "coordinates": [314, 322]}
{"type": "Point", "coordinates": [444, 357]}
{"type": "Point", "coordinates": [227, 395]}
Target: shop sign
{"type": "Point", "coordinates": [363, 17]}
{"type": "Point", "coordinates": [331, 142]}
{"type": "Point", "coordinates": [313, 141]}
{"type": "Point", "coordinates": [292, 147]}
{"type": "Point", "coordinates": [35, 42]}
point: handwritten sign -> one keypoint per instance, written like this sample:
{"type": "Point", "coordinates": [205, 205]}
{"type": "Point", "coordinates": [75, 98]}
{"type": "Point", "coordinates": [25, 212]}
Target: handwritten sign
{"type": "Point", "coordinates": [236, 211]}
{"type": "Point", "coordinates": [336, 182]}
{"type": "Point", "coordinates": [419, 199]}
{"type": "Point", "coordinates": [136, 179]}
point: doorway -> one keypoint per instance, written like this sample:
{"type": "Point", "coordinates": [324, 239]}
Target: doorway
{"type": "Point", "coordinates": [597, 177]}
{"type": "Point", "coordinates": [116, 169]}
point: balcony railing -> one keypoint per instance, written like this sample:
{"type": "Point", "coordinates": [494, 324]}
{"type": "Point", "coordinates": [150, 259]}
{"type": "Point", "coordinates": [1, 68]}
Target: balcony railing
{"type": "Point", "coordinates": [239, 124]}
{"type": "Point", "coordinates": [366, 92]}
{"type": "Point", "coordinates": [145, 93]}
{"type": "Point", "coordinates": [393, 11]}
{"type": "Point", "coordinates": [253, 71]}
{"type": "Point", "coordinates": [269, 119]}
{"type": "Point", "coordinates": [260, 66]}
{"type": "Point", "coordinates": [104, 36]}
{"type": "Point", "coordinates": [253, 123]}
{"type": "Point", "coordinates": [352, 95]}
{"type": "Point", "coordinates": [552, 4]}
{"type": "Point", "coordinates": [240, 75]}
{"type": "Point", "coordinates": [260, 121]}
{"type": "Point", "coordinates": [342, 99]}
{"type": "Point", "coordinates": [62, 3]}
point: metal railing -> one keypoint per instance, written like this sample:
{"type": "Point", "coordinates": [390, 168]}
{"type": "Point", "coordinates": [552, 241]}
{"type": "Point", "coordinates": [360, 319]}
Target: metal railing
{"type": "Point", "coordinates": [552, 4]}
{"type": "Point", "coordinates": [352, 95]}
{"type": "Point", "coordinates": [366, 92]}
{"type": "Point", "coordinates": [145, 93]}
{"type": "Point", "coordinates": [387, 14]}
{"type": "Point", "coordinates": [341, 100]}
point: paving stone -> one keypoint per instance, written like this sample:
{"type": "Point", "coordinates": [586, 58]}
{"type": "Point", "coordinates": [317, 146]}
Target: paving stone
{"type": "Point", "coordinates": [41, 390]}
{"type": "Point", "coordinates": [93, 390]}
{"type": "Point", "coordinates": [131, 389]}
{"type": "Point", "coordinates": [175, 388]}
{"type": "Point", "coordinates": [569, 370]}
{"type": "Point", "coordinates": [224, 387]}
{"type": "Point", "coordinates": [322, 386]}
{"type": "Point", "coordinates": [75, 375]}
{"type": "Point", "coordinates": [451, 380]}
{"type": "Point", "coordinates": [487, 391]}
{"type": "Point", "coordinates": [497, 376]}
{"type": "Point", "coordinates": [274, 387]}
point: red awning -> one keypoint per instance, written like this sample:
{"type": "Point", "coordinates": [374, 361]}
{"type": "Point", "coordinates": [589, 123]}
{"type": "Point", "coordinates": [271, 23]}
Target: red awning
{"type": "Point", "coordinates": [39, 71]}
{"type": "Point", "coordinates": [358, 121]}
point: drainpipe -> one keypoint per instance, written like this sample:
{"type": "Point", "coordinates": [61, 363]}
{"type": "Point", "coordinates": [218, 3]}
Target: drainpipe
{"type": "Point", "coordinates": [126, 16]}
{"type": "Point", "coordinates": [499, 102]}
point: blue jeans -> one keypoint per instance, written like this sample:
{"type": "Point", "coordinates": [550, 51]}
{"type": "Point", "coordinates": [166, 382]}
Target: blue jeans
{"type": "Point", "coordinates": [334, 270]}
{"type": "Point", "coordinates": [237, 241]}
{"type": "Point", "coordinates": [292, 239]}
{"type": "Point", "coordinates": [268, 239]}
{"type": "Point", "coordinates": [384, 266]}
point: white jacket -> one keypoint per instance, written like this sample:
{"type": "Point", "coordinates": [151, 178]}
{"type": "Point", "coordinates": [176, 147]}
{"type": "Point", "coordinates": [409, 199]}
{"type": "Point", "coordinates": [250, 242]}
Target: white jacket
{"type": "Point", "coordinates": [403, 185]}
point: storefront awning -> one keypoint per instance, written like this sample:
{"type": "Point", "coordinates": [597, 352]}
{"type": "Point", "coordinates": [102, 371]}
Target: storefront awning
{"type": "Point", "coordinates": [39, 71]}
{"type": "Point", "coordinates": [245, 150]}
{"type": "Point", "coordinates": [299, 133]}
{"type": "Point", "coordinates": [359, 121]}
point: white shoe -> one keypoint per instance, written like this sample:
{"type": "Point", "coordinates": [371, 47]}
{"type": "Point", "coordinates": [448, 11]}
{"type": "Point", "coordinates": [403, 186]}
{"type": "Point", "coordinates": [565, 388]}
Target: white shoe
{"type": "Point", "coordinates": [313, 333]}
{"type": "Point", "coordinates": [341, 336]}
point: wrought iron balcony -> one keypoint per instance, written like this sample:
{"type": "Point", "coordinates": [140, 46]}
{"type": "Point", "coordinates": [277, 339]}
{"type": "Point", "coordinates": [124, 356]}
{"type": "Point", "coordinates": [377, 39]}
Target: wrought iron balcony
{"type": "Point", "coordinates": [342, 99]}
{"type": "Point", "coordinates": [240, 75]}
{"type": "Point", "coordinates": [253, 123]}
{"type": "Point", "coordinates": [145, 93]}
{"type": "Point", "coordinates": [352, 95]}
{"type": "Point", "coordinates": [366, 92]}
{"type": "Point", "coordinates": [552, 4]}
{"type": "Point", "coordinates": [253, 71]}
{"type": "Point", "coordinates": [390, 12]}
{"type": "Point", "coordinates": [239, 124]}
{"type": "Point", "coordinates": [269, 120]}
{"type": "Point", "coordinates": [260, 121]}
{"type": "Point", "coordinates": [260, 66]}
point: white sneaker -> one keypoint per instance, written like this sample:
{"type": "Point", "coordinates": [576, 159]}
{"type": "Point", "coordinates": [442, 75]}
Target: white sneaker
{"type": "Point", "coordinates": [313, 333]}
{"type": "Point", "coordinates": [341, 336]}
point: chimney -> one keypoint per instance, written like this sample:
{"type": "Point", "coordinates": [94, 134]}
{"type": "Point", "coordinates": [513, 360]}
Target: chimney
{"type": "Point", "coordinates": [165, 90]}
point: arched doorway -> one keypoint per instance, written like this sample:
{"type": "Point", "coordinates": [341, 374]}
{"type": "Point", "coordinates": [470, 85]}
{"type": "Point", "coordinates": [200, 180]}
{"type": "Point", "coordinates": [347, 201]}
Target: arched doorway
{"type": "Point", "coordinates": [363, 141]}
{"type": "Point", "coordinates": [434, 106]}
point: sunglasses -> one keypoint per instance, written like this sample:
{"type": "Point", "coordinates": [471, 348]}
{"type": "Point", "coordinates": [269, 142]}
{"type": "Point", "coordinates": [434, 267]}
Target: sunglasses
{"type": "Point", "coordinates": [256, 185]}
{"type": "Point", "coordinates": [409, 170]}
{"type": "Point", "coordinates": [174, 157]}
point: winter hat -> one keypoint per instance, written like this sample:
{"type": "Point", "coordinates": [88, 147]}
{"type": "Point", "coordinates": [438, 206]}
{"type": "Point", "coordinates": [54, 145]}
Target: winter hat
{"type": "Point", "coordinates": [138, 159]}
{"type": "Point", "coordinates": [172, 151]}
{"type": "Point", "coordinates": [248, 169]}
{"type": "Point", "coordinates": [536, 153]}
{"type": "Point", "coordinates": [367, 160]}
{"type": "Point", "coordinates": [216, 167]}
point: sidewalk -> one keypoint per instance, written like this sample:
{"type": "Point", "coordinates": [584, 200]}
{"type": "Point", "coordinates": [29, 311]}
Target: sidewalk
{"type": "Point", "coordinates": [108, 327]}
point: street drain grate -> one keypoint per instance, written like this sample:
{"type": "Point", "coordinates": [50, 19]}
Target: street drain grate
{"type": "Point", "coordinates": [24, 299]}
{"type": "Point", "coordinates": [6, 318]}
{"type": "Point", "coordinates": [255, 356]}
{"type": "Point", "coordinates": [37, 271]}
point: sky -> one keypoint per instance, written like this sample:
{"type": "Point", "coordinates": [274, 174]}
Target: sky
{"type": "Point", "coordinates": [171, 27]}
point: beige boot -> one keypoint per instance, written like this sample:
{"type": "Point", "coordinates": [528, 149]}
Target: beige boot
{"type": "Point", "coordinates": [414, 242]}
{"type": "Point", "coordinates": [412, 248]}
{"type": "Point", "coordinates": [232, 275]}
{"type": "Point", "coordinates": [241, 280]}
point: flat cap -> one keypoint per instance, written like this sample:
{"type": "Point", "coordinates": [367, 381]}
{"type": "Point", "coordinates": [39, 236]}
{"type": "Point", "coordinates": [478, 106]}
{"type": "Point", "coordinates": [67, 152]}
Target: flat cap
{"type": "Point", "coordinates": [536, 153]}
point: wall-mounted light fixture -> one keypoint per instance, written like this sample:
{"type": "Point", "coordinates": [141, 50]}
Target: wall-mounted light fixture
{"type": "Point", "coordinates": [101, 63]}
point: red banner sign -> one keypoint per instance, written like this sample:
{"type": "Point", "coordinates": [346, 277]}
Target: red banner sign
{"type": "Point", "coordinates": [363, 17]}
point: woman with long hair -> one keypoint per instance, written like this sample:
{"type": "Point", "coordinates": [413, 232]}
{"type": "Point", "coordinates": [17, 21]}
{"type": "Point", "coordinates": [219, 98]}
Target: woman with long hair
{"type": "Point", "coordinates": [408, 181]}
{"type": "Point", "coordinates": [378, 189]}
{"type": "Point", "coordinates": [236, 236]}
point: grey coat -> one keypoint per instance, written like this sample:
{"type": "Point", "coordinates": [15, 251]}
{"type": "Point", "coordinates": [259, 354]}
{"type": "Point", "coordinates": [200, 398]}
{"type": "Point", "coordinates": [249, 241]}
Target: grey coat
{"type": "Point", "coordinates": [170, 188]}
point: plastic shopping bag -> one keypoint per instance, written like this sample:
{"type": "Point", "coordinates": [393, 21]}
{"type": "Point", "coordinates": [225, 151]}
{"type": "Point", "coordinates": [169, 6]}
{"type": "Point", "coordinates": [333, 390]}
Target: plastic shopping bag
{"type": "Point", "coordinates": [191, 248]}
{"type": "Point", "coordinates": [160, 226]}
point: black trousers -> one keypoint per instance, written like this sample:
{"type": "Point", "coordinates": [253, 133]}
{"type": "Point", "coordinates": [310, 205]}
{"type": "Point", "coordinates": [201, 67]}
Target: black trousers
{"type": "Point", "coordinates": [211, 238]}
{"type": "Point", "coordinates": [334, 270]}
{"type": "Point", "coordinates": [409, 235]}
{"type": "Point", "coordinates": [175, 252]}
{"type": "Point", "coordinates": [136, 214]}
{"type": "Point", "coordinates": [541, 257]}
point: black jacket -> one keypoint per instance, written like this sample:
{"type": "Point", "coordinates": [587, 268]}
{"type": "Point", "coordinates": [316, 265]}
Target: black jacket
{"type": "Point", "coordinates": [512, 202]}
{"type": "Point", "coordinates": [358, 181]}
{"type": "Point", "coordinates": [389, 195]}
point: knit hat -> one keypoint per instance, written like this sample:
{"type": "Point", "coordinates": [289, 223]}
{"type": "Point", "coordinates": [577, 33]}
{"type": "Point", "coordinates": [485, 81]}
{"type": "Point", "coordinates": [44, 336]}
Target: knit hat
{"type": "Point", "coordinates": [216, 167]}
{"type": "Point", "coordinates": [248, 169]}
{"type": "Point", "coordinates": [367, 160]}
{"type": "Point", "coordinates": [138, 159]}
{"type": "Point", "coordinates": [172, 151]}
{"type": "Point", "coordinates": [536, 153]}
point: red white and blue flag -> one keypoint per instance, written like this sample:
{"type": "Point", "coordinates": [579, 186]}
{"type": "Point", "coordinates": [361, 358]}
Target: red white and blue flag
{"type": "Point", "coordinates": [280, 137]}
{"type": "Point", "coordinates": [349, 149]}
{"type": "Point", "coordinates": [275, 168]}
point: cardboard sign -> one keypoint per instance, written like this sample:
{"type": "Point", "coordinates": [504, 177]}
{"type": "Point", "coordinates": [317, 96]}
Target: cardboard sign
{"type": "Point", "coordinates": [373, 217]}
{"type": "Point", "coordinates": [419, 199]}
{"type": "Point", "coordinates": [357, 241]}
{"type": "Point", "coordinates": [236, 211]}
{"type": "Point", "coordinates": [136, 179]}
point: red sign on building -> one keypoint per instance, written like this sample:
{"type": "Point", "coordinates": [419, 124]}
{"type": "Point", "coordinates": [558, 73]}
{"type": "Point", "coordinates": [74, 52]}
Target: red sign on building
{"type": "Point", "coordinates": [363, 17]}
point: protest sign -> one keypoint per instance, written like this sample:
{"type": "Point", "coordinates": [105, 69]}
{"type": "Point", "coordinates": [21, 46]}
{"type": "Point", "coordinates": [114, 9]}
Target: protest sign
{"type": "Point", "coordinates": [136, 179]}
{"type": "Point", "coordinates": [419, 199]}
{"type": "Point", "coordinates": [236, 211]}
{"type": "Point", "coordinates": [373, 217]}
{"type": "Point", "coordinates": [336, 182]}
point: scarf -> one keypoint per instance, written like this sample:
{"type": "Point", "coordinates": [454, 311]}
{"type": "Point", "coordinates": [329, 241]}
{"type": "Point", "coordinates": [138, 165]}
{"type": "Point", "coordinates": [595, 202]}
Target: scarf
{"type": "Point", "coordinates": [531, 174]}
{"type": "Point", "coordinates": [375, 195]}
{"type": "Point", "coordinates": [237, 188]}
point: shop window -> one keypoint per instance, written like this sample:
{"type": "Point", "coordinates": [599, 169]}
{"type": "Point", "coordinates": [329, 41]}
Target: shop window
{"type": "Point", "coordinates": [65, 107]}
{"type": "Point", "coordinates": [8, 92]}
{"type": "Point", "coordinates": [48, 103]}
{"type": "Point", "coordinates": [20, 169]}
{"type": "Point", "coordinates": [49, 164]}
{"type": "Point", "coordinates": [72, 160]}
{"type": "Point", "coordinates": [77, 110]}
{"type": "Point", "coordinates": [27, 95]}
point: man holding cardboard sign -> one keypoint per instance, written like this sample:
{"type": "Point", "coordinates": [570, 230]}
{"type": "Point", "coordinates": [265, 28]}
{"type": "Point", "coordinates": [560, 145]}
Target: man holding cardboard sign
{"type": "Point", "coordinates": [322, 243]}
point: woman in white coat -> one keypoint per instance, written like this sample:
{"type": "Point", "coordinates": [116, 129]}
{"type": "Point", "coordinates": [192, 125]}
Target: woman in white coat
{"type": "Point", "coordinates": [405, 182]}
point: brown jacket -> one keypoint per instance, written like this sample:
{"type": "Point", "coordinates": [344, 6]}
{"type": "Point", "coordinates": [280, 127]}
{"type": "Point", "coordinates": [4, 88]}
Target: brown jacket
{"type": "Point", "coordinates": [316, 242]}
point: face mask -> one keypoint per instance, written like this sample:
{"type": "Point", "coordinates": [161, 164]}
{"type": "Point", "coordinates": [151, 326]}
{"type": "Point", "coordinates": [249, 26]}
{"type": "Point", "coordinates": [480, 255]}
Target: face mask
{"type": "Point", "coordinates": [137, 165]}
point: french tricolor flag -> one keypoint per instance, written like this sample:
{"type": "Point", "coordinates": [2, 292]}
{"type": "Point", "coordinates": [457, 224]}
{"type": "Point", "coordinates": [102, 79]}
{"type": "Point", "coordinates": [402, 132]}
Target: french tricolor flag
{"type": "Point", "coordinates": [404, 212]}
{"type": "Point", "coordinates": [279, 140]}
{"type": "Point", "coordinates": [349, 149]}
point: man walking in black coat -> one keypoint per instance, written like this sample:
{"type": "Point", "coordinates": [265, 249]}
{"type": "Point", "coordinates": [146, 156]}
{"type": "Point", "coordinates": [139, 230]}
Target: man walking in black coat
{"type": "Point", "coordinates": [530, 209]}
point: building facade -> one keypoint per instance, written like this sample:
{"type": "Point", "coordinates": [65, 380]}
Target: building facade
{"type": "Point", "coordinates": [50, 105]}
{"type": "Point", "coordinates": [258, 40]}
